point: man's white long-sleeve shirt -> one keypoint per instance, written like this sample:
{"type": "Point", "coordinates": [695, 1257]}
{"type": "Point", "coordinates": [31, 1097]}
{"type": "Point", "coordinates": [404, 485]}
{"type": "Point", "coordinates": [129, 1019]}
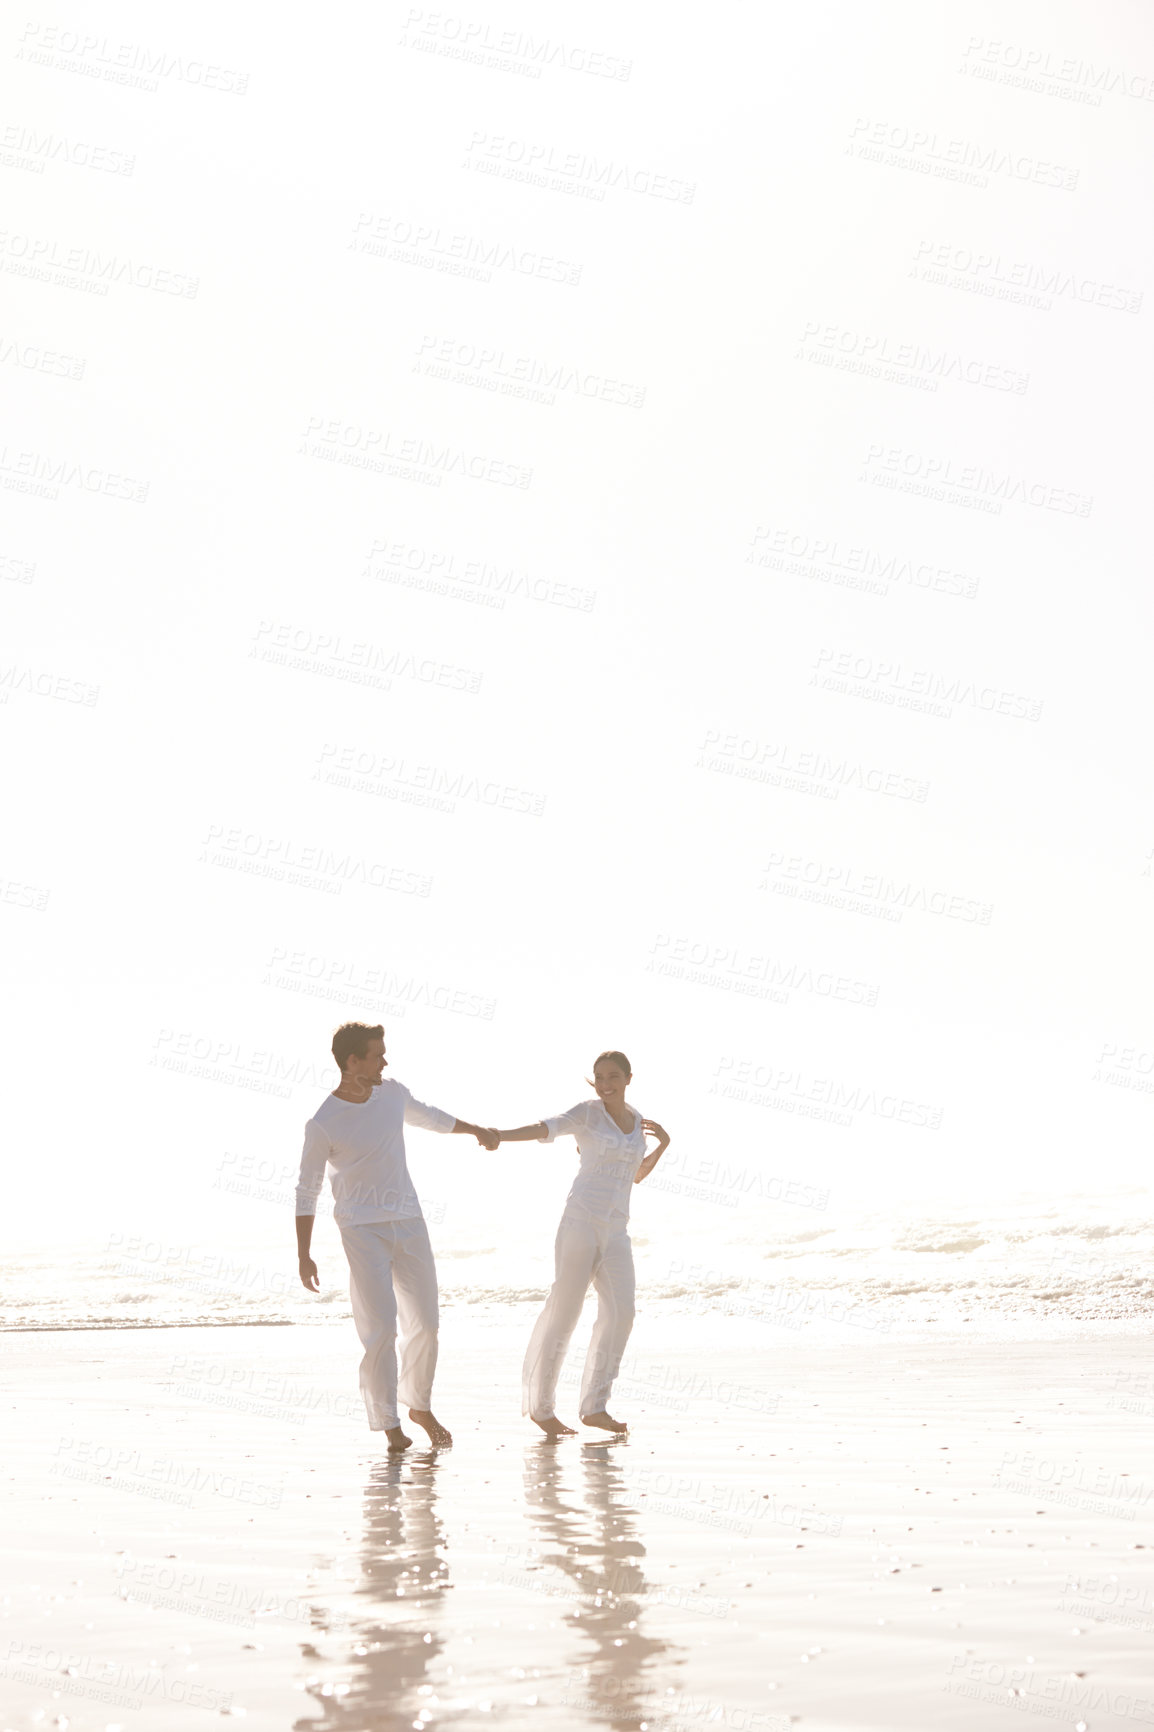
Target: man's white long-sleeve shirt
{"type": "Point", "coordinates": [363, 1145]}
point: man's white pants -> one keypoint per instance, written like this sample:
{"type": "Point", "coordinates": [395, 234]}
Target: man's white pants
{"type": "Point", "coordinates": [586, 1251]}
{"type": "Point", "coordinates": [393, 1279]}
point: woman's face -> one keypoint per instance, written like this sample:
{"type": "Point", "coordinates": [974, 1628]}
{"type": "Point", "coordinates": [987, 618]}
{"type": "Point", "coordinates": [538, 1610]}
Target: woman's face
{"type": "Point", "coordinates": [610, 1081]}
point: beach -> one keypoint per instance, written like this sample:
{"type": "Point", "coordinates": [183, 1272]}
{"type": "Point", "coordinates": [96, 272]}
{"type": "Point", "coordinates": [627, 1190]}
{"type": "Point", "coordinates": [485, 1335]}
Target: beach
{"type": "Point", "coordinates": [602, 542]}
{"type": "Point", "coordinates": [888, 1532]}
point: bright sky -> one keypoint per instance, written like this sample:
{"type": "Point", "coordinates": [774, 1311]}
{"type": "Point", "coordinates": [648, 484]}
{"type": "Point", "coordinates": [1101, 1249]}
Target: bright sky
{"type": "Point", "coordinates": [632, 537]}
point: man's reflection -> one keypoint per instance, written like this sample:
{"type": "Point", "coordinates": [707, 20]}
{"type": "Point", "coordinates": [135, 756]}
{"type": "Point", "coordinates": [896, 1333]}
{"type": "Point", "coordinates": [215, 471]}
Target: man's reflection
{"type": "Point", "coordinates": [588, 1553]}
{"type": "Point", "coordinates": [404, 1576]}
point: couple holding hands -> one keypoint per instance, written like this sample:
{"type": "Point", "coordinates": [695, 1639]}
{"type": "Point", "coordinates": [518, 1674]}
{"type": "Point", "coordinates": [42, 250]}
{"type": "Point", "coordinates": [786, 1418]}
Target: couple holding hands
{"type": "Point", "coordinates": [358, 1134]}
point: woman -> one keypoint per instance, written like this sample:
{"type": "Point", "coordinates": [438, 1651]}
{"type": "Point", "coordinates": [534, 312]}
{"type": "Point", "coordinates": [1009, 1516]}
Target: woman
{"type": "Point", "coordinates": [592, 1245]}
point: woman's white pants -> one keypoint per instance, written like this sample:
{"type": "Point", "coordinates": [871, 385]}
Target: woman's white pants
{"type": "Point", "coordinates": [586, 1251]}
{"type": "Point", "coordinates": [393, 1280]}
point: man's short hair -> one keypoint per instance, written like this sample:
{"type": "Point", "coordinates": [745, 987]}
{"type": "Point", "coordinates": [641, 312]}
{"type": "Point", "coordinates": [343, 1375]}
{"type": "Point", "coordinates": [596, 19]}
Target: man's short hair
{"type": "Point", "coordinates": [352, 1040]}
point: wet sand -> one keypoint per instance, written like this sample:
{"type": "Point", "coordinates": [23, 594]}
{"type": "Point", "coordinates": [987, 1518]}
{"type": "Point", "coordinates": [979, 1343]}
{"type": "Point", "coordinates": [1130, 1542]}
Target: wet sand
{"type": "Point", "coordinates": [875, 1534]}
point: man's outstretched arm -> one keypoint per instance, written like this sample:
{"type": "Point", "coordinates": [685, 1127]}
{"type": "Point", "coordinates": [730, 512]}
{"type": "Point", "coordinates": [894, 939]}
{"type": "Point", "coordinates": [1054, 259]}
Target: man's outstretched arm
{"type": "Point", "coordinates": [435, 1119]}
{"type": "Point", "coordinates": [487, 1139]}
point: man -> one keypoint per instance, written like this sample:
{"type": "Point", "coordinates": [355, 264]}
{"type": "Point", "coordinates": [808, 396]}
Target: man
{"type": "Point", "coordinates": [358, 1131]}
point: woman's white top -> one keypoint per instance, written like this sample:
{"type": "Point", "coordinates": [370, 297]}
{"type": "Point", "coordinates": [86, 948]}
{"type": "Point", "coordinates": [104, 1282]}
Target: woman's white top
{"type": "Point", "coordinates": [610, 1158]}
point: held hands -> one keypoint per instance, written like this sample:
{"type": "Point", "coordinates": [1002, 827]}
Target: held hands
{"type": "Point", "coordinates": [309, 1276]}
{"type": "Point", "coordinates": [652, 1129]}
{"type": "Point", "coordinates": [488, 1138]}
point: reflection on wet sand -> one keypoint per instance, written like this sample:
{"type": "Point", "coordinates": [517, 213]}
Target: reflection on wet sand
{"type": "Point", "coordinates": [587, 1543]}
{"type": "Point", "coordinates": [584, 1557]}
{"type": "Point", "coordinates": [404, 1574]}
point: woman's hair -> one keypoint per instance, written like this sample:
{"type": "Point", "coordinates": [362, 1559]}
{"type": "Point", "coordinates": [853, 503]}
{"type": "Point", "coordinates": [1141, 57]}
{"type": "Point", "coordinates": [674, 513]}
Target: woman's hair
{"type": "Point", "coordinates": [618, 1058]}
{"type": "Point", "coordinates": [351, 1041]}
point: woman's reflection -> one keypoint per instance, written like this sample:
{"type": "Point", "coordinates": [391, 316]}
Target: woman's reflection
{"type": "Point", "coordinates": [589, 1552]}
{"type": "Point", "coordinates": [403, 1577]}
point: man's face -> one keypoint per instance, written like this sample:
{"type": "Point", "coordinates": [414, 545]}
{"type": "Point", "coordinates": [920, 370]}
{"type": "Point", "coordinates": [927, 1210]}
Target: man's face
{"type": "Point", "coordinates": [370, 1068]}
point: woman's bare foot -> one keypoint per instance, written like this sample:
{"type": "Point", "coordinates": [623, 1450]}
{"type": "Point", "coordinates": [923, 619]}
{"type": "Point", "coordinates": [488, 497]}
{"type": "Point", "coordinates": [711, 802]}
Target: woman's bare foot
{"type": "Point", "coordinates": [603, 1421]}
{"type": "Point", "coordinates": [552, 1427]}
{"type": "Point", "coordinates": [397, 1439]}
{"type": "Point", "coordinates": [428, 1422]}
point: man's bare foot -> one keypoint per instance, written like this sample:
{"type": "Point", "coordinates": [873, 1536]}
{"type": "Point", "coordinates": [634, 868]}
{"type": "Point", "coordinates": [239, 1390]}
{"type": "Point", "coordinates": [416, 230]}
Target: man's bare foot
{"type": "Point", "coordinates": [552, 1427]}
{"type": "Point", "coordinates": [397, 1439]}
{"type": "Point", "coordinates": [428, 1422]}
{"type": "Point", "coordinates": [603, 1421]}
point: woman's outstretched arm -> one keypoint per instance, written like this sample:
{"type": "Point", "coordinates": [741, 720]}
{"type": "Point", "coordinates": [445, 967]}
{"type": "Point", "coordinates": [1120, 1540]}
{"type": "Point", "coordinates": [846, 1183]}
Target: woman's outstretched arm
{"type": "Point", "coordinates": [524, 1134]}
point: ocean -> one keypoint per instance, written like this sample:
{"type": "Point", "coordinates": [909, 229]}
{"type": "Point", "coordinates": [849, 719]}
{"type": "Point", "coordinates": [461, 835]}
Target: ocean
{"type": "Point", "coordinates": [1079, 1257]}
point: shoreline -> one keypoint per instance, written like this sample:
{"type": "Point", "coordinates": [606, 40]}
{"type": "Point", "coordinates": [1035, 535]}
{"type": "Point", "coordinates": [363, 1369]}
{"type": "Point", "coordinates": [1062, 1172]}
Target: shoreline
{"type": "Point", "coordinates": [861, 1536]}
